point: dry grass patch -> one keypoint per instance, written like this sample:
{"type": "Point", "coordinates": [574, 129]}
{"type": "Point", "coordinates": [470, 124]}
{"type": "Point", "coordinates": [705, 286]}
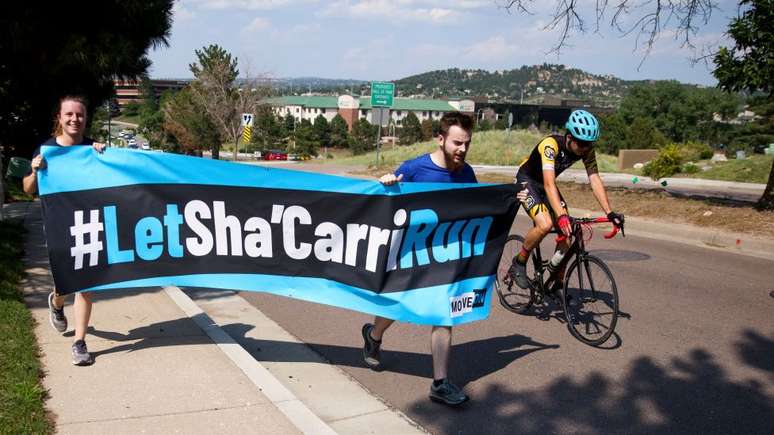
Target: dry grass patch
{"type": "Point", "coordinates": [660, 205]}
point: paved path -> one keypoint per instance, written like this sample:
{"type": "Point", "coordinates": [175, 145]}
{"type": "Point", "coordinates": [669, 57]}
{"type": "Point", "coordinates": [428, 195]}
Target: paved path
{"type": "Point", "coordinates": [694, 355]}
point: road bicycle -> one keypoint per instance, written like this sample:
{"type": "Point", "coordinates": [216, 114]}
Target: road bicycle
{"type": "Point", "coordinates": [588, 293]}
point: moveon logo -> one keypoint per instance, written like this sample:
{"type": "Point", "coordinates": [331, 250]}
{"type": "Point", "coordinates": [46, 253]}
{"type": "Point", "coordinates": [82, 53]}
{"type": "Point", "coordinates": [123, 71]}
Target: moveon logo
{"type": "Point", "coordinates": [465, 302]}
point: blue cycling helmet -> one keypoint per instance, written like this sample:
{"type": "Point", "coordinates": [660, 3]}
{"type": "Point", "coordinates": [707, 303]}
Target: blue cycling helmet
{"type": "Point", "coordinates": [583, 126]}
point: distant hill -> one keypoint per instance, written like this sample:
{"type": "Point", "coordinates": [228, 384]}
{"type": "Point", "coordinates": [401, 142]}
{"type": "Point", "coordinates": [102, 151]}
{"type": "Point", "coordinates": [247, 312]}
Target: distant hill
{"type": "Point", "coordinates": [546, 83]}
{"type": "Point", "coordinates": [530, 83]}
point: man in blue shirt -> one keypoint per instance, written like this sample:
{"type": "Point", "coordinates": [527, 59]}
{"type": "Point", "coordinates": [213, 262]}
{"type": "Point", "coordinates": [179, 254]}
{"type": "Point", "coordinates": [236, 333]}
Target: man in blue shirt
{"type": "Point", "coordinates": [444, 165]}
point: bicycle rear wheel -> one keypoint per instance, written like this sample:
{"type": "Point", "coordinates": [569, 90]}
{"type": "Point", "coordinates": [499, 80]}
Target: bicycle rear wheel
{"type": "Point", "coordinates": [512, 297]}
{"type": "Point", "coordinates": [590, 300]}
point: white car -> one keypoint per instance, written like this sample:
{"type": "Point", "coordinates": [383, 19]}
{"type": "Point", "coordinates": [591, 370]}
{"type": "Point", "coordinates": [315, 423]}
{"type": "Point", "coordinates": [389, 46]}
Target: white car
{"type": "Point", "coordinates": [145, 147]}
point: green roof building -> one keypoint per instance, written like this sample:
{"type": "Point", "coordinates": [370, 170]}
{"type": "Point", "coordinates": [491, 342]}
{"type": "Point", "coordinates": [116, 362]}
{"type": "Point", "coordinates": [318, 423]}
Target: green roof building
{"type": "Point", "coordinates": [352, 108]}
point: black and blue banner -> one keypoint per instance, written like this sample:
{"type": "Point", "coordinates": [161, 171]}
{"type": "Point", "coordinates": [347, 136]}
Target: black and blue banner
{"type": "Point", "coordinates": [417, 252]}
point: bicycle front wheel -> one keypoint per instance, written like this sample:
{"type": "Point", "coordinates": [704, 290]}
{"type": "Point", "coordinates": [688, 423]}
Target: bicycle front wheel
{"type": "Point", "coordinates": [512, 297]}
{"type": "Point", "coordinates": [590, 300]}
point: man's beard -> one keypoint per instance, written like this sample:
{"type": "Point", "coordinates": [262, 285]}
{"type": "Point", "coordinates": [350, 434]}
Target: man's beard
{"type": "Point", "coordinates": [450, 162]}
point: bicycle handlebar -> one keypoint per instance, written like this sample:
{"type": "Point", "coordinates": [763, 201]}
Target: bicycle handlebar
{"type": "Point", "coordinates": [590, 221]}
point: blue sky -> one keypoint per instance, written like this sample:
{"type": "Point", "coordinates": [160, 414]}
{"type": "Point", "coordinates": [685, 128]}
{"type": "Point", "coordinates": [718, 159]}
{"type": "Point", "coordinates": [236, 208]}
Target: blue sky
{"type": "Point", "coordinates": [391, 39]}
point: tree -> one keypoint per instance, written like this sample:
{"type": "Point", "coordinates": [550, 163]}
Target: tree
{"type": "Point", "coordinates": [612, 135]}
{"type": "Point", "coordinates": [216, 91]}
{"type": "Point", "coordinates": [322, 131]}
{"type": "Point", "coordinates": [748, 65]}
{"type": "Point", "coordinates": [483, 125]}
{"type": "Point", "coordinates": [411, 131]}
{"type": "Point", "coordinates": [290, 125]}
{"type": "Point", "coordinates": [363, 137]}
{"type": "Point", "coordinates": [339, 132]}
{"type": "Point", "coordinates": [306, 139]}
{"type": "Point", "coordinates": [427, 129]}
{"type": "Point", "coordinates": [188, 123]}
{"type": "Point", "coordinates": [39, 61]}
{"type": "Point", "coordinates": [645, 19]}
{"type": "Point", "coordinates": [268, 131]}
{"type": "Point", "coordinates": [643, 134]}
{"type": "Point", "coordinates": [151, 122]}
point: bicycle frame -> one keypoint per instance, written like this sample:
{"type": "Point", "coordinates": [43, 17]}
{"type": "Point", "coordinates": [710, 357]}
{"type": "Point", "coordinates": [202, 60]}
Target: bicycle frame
{"type": "Point", "coordinates": [577, 249]}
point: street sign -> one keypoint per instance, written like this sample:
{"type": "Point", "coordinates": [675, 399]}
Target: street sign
{"type": "Point", "coordinates": [247, 120]}
{"type": "Point", "coordinates": [382, 94]}
{"type": "Point", "coordinates": [247, 134]}
{"type": "Point", "coordinates": [380, 116]}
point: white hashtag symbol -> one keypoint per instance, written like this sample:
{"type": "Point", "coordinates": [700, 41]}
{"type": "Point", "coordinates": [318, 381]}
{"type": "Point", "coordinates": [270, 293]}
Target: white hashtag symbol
{"type": "Point", "coordinates": [82, 248]}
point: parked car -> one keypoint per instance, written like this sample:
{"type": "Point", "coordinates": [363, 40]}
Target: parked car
{"type": "Point", "coordinates": [275, 155]}
{"type": "Point", "coordinates": [132, 144]}
{"type": "Point", "coordinates": [145, 147]}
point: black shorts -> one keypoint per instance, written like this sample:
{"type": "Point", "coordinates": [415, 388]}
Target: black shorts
{"type": "Point", "coordinates": [537, 200]}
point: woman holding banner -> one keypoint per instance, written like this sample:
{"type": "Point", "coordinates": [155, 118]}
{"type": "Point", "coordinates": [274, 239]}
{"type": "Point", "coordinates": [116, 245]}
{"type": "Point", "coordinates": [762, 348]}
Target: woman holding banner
{"type": "Point", "coordinates": [69, 127]}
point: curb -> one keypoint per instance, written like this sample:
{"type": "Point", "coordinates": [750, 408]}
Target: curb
{"type": "Point", "coordinates": [736, 243]}
{"type": "Point", "coordinates": [287, 402]}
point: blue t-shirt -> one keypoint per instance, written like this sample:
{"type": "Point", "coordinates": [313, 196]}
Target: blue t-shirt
{"type": "Point", "coordinates": [422, 169]}
{"type": "Point", "coordinates": [52, 142]}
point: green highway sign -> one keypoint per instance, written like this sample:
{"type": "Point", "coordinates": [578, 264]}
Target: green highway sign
{"type": "Point", "coordinates": [382, 93]}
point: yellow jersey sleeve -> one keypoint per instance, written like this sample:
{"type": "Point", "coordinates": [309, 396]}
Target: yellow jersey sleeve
{"type": "Point", "coordinates": [548, 149]}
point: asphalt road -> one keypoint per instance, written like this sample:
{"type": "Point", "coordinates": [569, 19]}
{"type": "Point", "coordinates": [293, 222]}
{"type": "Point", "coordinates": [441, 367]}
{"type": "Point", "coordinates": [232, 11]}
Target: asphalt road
{"type": "Point", "coordinates": [695, 355]}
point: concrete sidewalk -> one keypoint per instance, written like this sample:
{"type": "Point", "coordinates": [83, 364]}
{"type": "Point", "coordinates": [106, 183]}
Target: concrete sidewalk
{"type": "Point", "coordinates": [156, 371]}
{"type": "Point", "coordinates": [163, 365]}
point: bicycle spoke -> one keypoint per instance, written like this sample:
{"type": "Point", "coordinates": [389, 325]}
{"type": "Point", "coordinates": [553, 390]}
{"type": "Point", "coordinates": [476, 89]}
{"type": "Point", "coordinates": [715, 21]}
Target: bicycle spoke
{"type": "Point", "coordinates": [591, 301]}
{"type": "Point", "coordinates": [512, 297]}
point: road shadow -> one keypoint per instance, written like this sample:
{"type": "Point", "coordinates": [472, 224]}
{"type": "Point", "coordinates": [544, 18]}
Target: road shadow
{"type": "Point", "coordinates": [691, 394]}
{"type": "Point", "coordinates": [757, 351]}
{"type": "Point", "coordinates": [479, 357]}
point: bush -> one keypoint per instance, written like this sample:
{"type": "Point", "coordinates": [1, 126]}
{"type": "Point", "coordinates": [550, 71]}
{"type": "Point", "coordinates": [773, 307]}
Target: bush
{"type": "Point", "coordinates": [690, 168]}
{"type": "Point", "coordinates": [666, 164]}
{"type": "Point", "coordinates": [695, 151]}
{"type": "Point", "coordinates": [131, 109]}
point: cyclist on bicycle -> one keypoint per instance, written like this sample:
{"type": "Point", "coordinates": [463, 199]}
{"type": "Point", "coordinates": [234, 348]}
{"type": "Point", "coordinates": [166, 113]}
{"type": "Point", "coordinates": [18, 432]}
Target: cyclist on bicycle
{"type": "Point", "coordinates": [541, 197]}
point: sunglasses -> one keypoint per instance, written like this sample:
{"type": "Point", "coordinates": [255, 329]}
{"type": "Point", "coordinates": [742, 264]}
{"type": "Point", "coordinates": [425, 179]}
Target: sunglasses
{"type": "Point", "coordinates": [584, 144]}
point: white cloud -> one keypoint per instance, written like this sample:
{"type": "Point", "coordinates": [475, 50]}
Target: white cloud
{"type": "Point", "coordinates": [180, 14]}
{"type": "Point", "coordinates": [493, 49]}
{"type": "Point", "coordinates": [400, 10]}
{"type": "Point", "coordinates": [241, 4]}
{"type": "Point", "coordinates": [256, 25]}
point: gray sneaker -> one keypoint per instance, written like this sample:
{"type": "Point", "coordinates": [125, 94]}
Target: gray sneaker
{"type": "Point", "coordinates": [520, 274]}
{"type": "Point", "coordinates": [447, 393]}
{"type": "Point", "coordinates": [371, 348]}
{"type": "Point", "coordinates": [56, 316]}
{"type": "Point", "coordinates": [81, 355]}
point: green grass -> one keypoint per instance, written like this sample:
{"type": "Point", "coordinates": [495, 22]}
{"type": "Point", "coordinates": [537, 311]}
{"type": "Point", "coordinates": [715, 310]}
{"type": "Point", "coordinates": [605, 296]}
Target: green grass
{"type": "Point", "coordinates": [488, 148]}
{"type": "Point", "coordinates": [754, 169]}
{"type": "Point", "coordinates": [130, 119]}
{"type": "Point", "coordinates": [21, 395]}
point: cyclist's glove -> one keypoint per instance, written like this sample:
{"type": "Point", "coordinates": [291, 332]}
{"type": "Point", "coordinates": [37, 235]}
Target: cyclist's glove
{"type": "Point", "coordinates": [616, 219]}
{"type": "Point", "coordinates": [564, 224]}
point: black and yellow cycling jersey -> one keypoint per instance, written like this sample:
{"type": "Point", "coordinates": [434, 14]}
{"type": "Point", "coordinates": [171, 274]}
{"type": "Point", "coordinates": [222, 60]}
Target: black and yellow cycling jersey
{"type": "Point", "coordinates": [550, 154]}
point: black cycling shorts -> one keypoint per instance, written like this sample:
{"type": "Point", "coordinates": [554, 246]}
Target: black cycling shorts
{"type": "Point", "coordinates": [537, 199]}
